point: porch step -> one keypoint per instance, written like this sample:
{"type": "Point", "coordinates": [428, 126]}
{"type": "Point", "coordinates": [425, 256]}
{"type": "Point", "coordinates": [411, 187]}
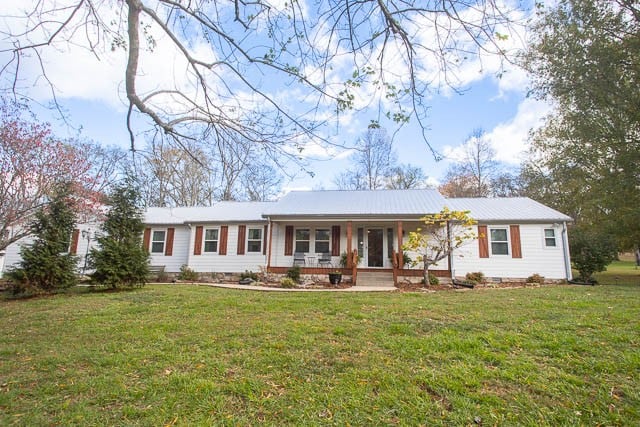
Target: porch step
{"type": "Point", "coordinates": [368, 278]}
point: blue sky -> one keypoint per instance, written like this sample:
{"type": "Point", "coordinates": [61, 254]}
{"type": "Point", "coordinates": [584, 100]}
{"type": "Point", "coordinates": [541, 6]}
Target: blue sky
{"type": "Point", "coordinates": [92, 93]}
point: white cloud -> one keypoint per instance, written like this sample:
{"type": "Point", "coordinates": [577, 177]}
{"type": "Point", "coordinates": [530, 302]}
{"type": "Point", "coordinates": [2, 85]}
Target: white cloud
{"type": "Point", "coordinates": [509, 139]}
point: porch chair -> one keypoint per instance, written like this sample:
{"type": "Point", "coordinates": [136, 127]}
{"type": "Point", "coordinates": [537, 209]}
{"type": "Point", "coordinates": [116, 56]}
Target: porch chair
{"type": "Point", "coordinates": [325, 259]}
{"type": "Point", "coordinates": [298, 259]}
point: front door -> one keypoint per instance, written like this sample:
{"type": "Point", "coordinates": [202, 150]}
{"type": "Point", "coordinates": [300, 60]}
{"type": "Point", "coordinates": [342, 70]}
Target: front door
{"type": "Point", "coordinates": [375, 245]}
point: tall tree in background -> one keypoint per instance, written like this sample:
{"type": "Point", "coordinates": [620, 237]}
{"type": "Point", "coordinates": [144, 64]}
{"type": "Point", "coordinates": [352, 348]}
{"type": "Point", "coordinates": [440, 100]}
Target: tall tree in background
{"type": "Point", "coordinates": [47, 264]}
{"type": "Point", "coordinates": [175, 176]}
{"type": "Point", "coordinates": [120, 258]}
{"type": "Point", "coordinates": [237, 62]}
{"type": "Point", "coordinates": [204, 172]}
{"type": "Point", "coordinates": [405, 176]}
{"type": "Point", "coordinates": [473, 173]}
{"type": "Point", "coordinates": [372, 162]}
{"type": "Point", "coordinates": [585, 58]}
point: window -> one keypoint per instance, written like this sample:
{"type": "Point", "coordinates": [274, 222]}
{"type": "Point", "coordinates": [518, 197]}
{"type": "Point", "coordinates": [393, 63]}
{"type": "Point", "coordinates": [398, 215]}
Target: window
{"type": "Point", "coordinates": [389, 242]}
{"type": "Point", "coordinates": [211, 240]}
{"type": "Point", "coordinates": [302, 240]}
{"type": "Point", "coordinates": [157, 242]}
{"type": "Point", "coordinates": [499, 241]}
{"type": "Point", "coordinates": [254, 240]}
{"type": "Point", "coordinates": [550, 237]}
{"type": "Point", "coordinates": [361, 242]}
{"type": "Point", "coordinates": [322, 240]}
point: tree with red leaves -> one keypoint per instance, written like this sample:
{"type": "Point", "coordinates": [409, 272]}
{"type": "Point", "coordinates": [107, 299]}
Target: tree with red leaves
{"type": "Point", "coordinates": [32, 163]}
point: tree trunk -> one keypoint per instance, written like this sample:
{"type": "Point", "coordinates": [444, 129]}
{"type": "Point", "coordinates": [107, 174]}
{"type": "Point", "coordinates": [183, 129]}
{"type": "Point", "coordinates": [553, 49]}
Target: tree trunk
{"type": "Point", "coordinates": [425, 271]}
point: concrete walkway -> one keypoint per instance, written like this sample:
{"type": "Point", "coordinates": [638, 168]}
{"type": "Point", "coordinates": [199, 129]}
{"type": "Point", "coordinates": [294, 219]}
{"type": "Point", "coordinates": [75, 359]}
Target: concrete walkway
{"type": "Point", "coordinates": [270, 289]}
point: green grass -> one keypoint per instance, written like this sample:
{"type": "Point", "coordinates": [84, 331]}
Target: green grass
{"type": "Point", "coordinates": [188, 355]}
{"type": "Point", "coordinates": [620, 272]}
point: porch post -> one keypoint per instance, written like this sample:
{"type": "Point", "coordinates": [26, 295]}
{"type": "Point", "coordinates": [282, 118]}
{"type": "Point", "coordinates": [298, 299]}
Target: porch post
{"type": "Point", "coordinates": [269, 249]}
{"type": "Point", "coordinates": [349, 239]}
{"type": "Point", "coordinates": [400, 254]}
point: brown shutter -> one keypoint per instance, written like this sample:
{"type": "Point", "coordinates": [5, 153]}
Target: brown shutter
{"type": "Point", "coordinates": [197, 246]}
{"type": "Point", "coordinates": [516, 249]}
{"type": "Point", "coordinates": [264, 240]}
{"type": "Point", "coordinates": [224, 234]}
{"type": "Point", "coordinates": [146, 238]}
{"type": "Point", "coordinates": [75, 235]}
{"type": "Point", "coordinates": [242, 235]}
{"type": "Point", "coordinates": [483, 241]}
{"type": "Point", "coordinates": [335, 240]}
{"type": "Point", "coordinates": [168, 248]}
{"type": "Point", "coordinates": [288, 240]}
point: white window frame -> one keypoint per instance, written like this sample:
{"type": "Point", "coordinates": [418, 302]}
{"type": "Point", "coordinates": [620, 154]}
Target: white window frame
{"type": "Point", "coordinates": [296, 240]}
{"type": "Point", "coordinates": [316, 241]}
{"type": "Point", "coordinates": [507, 241]}
{"type": "Point", "coordinates": [154, 241]}
{"type": "Point", "coordinates": [249, 239]}
{"type": "Point", "coordinates": [205, 240]}
{"type": "Point", "coordinates": [545, 237]}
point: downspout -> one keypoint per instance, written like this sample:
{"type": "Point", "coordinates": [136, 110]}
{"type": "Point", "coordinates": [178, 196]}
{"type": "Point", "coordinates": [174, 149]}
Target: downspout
{"type": "Point", "coordinates": [565, 252]}
{"type": "Point", "coordinates": [269, 244]}
{"type": "Point", "coordinates": [190, 246]}
{"type": "Point", "coordinates": [451, 269]}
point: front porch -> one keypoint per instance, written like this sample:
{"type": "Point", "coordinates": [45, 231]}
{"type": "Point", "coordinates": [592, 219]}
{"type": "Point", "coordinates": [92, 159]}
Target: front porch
{"type": "Point", "coordinates": [364, 276]}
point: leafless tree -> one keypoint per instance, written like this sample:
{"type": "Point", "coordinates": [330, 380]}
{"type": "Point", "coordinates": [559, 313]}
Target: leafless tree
{"type": "Point", "coordinates": [261, 182]}
{"type": "Point", "coordinates": [238, 60]}
{"type": "Point", "coordinates": [172, 176]}
{"type": "Point", "coordinates": [371, 164]}
{"type": "Point", "coordinates": [474, 172]}
{"type": "Point", "coordinates": [406, 176]}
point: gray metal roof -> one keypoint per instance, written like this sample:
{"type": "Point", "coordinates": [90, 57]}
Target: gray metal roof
{"type": "Point", "coordinates": [357, 203]}
{"type": "Point", "coordinates": [220, 212]}
{"type": "Point", "coordinates": [506, 209]}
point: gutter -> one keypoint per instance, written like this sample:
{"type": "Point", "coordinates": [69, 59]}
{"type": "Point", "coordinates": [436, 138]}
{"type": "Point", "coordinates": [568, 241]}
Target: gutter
{"type": "Point", "coordinates": [565, 251]}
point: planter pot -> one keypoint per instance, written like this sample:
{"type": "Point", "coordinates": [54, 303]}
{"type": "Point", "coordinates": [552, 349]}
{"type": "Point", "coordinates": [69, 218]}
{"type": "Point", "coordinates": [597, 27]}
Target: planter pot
{"type": "Point", "coordinates": [335, 278]}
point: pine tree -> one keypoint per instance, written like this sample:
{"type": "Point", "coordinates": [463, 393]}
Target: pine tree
{"type": "Point", "coordinates": [46, 264]}
{"type": "Point", "coordinates": [120, 259]}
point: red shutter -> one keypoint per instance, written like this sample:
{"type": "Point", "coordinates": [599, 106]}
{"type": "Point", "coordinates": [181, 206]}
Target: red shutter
{"type": "Point", "coordinates": [516, 249]}
{"type": "Point", "coordinates": [264, 240]}
{"type": "Point", "coordinates": [146, 239]}
{"type": "Point", "coordinates": [224, 233]}
{"type": "Point", "coordinates": [335, 240]}
{"type": "Point", "coordinates": [168, 248]}
{"type": "Point", "coordinates": [197, 246]}
{"type": "Point", "coordinates": [242, 236]}
{"type": "Point", "coordinates": [75, 235]}
{"type": "Point", "coordinates": [288, 240]}
{"type": "Point", "coordinates": [483, 241]}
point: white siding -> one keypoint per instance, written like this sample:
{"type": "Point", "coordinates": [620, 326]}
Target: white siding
{"type": "Point", "coordinates": [278, 259]}
{"type": "Point", "coordinates": [411, 227]}
{"type": "Point", "coordinates": [179, 257]}
{"type": "Point", "coordinates": [231, 262]}
{"type": "Point", "coordinates": [12, 253]}
{"type": "Point", "coordinates": [536, 257]}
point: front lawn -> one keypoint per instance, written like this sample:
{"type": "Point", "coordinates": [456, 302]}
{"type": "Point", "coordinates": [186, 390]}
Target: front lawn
{"type": "Point", "coordinates": [191, 355]}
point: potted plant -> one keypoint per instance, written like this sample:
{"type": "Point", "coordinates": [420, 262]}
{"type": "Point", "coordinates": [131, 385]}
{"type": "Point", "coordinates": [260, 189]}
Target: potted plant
{"type": "Point", "coordinates": [335, 277]}
{"type": "Point", "coordinates": [343, 260]}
